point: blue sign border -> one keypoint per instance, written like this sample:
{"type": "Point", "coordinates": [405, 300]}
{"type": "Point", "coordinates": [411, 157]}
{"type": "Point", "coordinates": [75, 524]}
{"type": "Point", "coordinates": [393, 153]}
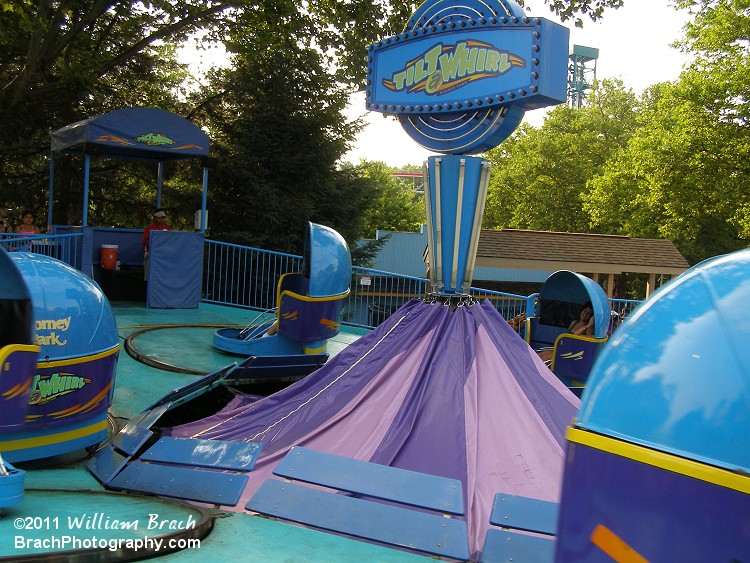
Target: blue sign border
{"type": "Point", "coordinates": [536, 75]}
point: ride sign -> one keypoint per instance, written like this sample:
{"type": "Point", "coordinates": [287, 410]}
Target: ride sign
{"type": "Point", "coordinates": [460, 78]}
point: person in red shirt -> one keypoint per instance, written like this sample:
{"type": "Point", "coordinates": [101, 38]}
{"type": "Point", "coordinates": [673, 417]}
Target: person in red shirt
{"type": "Point", "coordinates": [159, 223]}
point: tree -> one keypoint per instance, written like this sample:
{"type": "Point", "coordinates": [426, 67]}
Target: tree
{"type": "Point", "coordinates": [684, 174]}
{"type": "Point", "coordinates": [574, 9]}
{"type": "Point", "coordinates": [718, 39]}
{"type": "Point", "coordinates": [62, 61]}
{"type": "Point", "coordinates": [679, 178]}
{"type": "Point", "coordinates": [66, 56]}
{"type": "Point", "coordinates": [66, 60]}
{"type": "Point", "coordinates": [395, 206]}
{"type": "Point", "coordinates": [539, 176]}
{"type": "Point", "coordinates": [718, 78]}
{"type": "Point", "coordinates": [278, 132]}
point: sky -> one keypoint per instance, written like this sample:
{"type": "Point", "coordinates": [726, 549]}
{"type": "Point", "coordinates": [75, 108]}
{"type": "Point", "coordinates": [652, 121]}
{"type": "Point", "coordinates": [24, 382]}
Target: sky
{"type": "Point", "coordinates": [634, 45]}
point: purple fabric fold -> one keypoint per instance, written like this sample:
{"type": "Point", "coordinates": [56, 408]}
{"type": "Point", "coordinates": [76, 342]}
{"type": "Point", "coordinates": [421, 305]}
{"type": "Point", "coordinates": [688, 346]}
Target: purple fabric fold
{"type": "Point", "coordinates": [451, 393]}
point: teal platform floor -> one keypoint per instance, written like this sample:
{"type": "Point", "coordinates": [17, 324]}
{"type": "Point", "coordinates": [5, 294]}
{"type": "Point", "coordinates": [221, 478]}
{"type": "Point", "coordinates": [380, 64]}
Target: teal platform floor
{"type": "Point", "coordinates": [63, 487]}
{"type": "Point", "coordinates": [181, 338]}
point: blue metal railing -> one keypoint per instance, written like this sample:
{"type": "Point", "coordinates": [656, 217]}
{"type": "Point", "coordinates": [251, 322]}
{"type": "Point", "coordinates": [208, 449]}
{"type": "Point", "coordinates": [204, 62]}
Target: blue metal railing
{"type": "Point", "coordinates": [376, 294]}
{"type": "Point", "coordinates": [620, 309]}
{"type": "Point", "coordinates": [243, 276]}
{"type": "Point", "coordinates": [512, 307]}
{"type": "Point", "coordinates": [66, 248]}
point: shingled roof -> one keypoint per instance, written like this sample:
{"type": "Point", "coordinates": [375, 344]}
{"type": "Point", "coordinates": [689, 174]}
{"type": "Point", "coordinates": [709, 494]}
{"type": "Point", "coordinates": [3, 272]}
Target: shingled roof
{"type": "Point", "coordinates": [580, 252]}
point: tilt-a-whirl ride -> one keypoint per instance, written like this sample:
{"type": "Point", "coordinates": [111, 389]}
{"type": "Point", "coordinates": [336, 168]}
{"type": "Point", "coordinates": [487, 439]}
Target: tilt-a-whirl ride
{"type": "Point", "coordinates": [439, 433]}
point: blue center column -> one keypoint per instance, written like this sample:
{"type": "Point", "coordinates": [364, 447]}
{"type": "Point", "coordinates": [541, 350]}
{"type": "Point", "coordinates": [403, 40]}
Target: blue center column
{"type": "Point", "coordinates": [455, 193]}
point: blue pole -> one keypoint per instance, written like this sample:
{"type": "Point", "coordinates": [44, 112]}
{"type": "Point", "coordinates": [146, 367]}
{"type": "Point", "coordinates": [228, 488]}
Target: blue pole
{"type": "Point", "coordinates": [51, 190]}
{"type": "Point", "coordinates": [86, 165]}
{"type": "Point", "coordinates": [203, 200]}
{"type": "Point", "coordinates": [159, 178]}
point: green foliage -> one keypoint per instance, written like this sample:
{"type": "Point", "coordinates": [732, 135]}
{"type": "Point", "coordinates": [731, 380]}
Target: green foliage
{"type": "Point", "coordinates": [679, 178]}
{"type": "Point", "coordinates": [684, 174]}
{"type": "Point", "coordinates": [539, 176]}
{"type": "Point", "coordinates": [574, 9]}
{"type": "Point", "coordinates": [670, 164]}
{"type": "Point", "coordinates": [66, 60]}
{"type": "Point", "coordinates": [62, 61]}
{"type": "Point", "coordinates": [366, 250]}
{"type": "Point", "coordinates": [718, 39]}
{"type": "Point", "coordinates": [278, 132]}
{"type": "Point", "coordinates": [673, 163]}
{"type": "Point", "coordinates": [395, 206]}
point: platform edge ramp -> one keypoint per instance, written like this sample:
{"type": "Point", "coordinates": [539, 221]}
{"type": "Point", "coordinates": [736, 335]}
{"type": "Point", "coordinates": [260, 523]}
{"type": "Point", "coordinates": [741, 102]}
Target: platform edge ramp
{"type": "Point", "coordinates": [199, 485]}
{"type": "Point", "coordinates": [106, 463]}
{"type": "Point", "coordinates": [400, 525]}
{"type": "Point", "coordinates": [514, 512]}
{"type": "Point", "coordinates": [209, 471]}
{"type": "Point", "coordinates": [524, 513]}
{"type": "Point", "coordinates": [502, 546]}
{"type": "Point", "coordinates": [373, 479]}
{"type": "Point", "coordinates": [261, 368]}
{"type": "Point", "coordinates": [216, 454]}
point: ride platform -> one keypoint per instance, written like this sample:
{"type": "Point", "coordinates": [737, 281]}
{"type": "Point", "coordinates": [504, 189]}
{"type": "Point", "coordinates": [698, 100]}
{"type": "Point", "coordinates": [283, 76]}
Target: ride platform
{"type": "Point", "coordinates": [67, 512]}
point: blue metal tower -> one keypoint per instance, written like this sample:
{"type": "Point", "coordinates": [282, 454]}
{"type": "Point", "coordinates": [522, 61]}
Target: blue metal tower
{"type": "Point", "coordinates": [581, 74]}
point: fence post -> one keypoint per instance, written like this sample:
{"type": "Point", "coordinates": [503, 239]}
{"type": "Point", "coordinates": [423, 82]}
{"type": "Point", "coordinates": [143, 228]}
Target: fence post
{"type": "Point", "coordinates": [87, 251]}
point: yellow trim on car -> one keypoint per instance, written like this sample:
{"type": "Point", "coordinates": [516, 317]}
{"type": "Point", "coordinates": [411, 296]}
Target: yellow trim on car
{"type": "Point", "coordinates": [663, 460]}
{"type": "Point", "coordinates": [79, 359]}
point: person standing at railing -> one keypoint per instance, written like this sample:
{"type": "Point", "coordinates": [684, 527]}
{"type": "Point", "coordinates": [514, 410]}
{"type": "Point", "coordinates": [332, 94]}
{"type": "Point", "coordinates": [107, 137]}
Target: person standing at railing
{"type": "Point", "coordinates": [27, 227]}
{"type": "Point", "coordinates": [159, 223]}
